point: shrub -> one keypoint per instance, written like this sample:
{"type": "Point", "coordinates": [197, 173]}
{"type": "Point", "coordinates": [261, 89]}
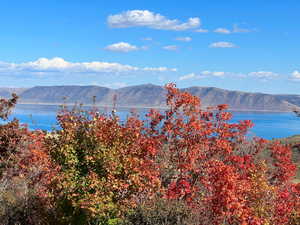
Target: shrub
{"type": "Point", "coordinates": [216, 169]}
{"type": "Point", "coordinates": [25, 172]}
{"type": "Point", "coordinates": [105, 165]}
{"type": "Point", "coordinates": [163, 212]}
{"type": "Point", "coordinates": [183, 166]}
{"type": "Point", "coordinates": [19, 204]}
{"type": "Point", "coordinates": [186, 154]}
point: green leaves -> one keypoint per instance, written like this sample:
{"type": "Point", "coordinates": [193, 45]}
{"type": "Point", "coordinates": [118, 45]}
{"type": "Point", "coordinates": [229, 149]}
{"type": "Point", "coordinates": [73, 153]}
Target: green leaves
{"type": "Point", "coordinates": [95, 169]}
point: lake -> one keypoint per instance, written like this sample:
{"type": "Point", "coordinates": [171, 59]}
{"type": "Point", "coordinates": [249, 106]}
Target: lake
{"type": "Point", "coordinates": [267, 124]}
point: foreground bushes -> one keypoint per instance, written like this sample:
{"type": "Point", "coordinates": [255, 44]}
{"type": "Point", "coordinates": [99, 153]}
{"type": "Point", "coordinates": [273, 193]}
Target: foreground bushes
{"type": "Point", "coordinates": [161, 211]}
{"type": "Point", "coordinates": [187, 165]}
{"type": "Point", "coordinates": [25, 173]}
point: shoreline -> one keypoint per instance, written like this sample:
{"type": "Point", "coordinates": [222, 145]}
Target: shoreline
{"type": "Point", "coordinates": [145, 107]}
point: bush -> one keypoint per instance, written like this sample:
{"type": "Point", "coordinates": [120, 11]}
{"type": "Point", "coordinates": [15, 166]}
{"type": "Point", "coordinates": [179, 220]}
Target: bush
{"type": "Point", "coordinates": [186, 154]}
{"type": "Point", "coordinates": [19, 204]}
{"type": "Point", "coordinates": [159, 211]}
{"type": "Point", "coordinates": [104, 165]}
{"type": "Point", "coordinates": [183, 166]}
{"type": "Point", "coordinates": [25, 173]}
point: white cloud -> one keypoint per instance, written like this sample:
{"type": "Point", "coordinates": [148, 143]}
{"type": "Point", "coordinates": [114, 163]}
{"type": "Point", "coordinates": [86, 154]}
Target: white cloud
{"type": "Point", "coordinates": [147, 39]}
{"type": "Point", "coordinates": [201, 30]}
{"type": "Point", "coordinates": [222, 44]}
{"type": "Point", "coordinates": [122, 47]}
{"type": "Point", "coordinates": [212, 73]}
{"type": "Point", "coordinates": [144, 47]}
{"type": "Point", "coordinates": [170, 47]}
{"type": "Point", "coordinates": [42, 64]}
{"type": "Point", "coordinates": [188, 76]}
{"type": "Point", "coordinates": [203, 74]}
{"type": "Point", "coordinates": [237, 29]}
{"type": "Point", "coordinates": [146, 18]}
{"type": "Point", "coordinates": [222, 31]}
{"type": "Point", "coordinates": [59, 65]}
{"type": "Point", "coordinates": [159, 69]}
{"type": "Point", "coordinates": [263, 74]}
{"type": "Point", "coordinates": [113, 85]}
{"type": "Point", "coordinates": [184, 39]}
{"type": "Point", "coordinates": [296, 75]}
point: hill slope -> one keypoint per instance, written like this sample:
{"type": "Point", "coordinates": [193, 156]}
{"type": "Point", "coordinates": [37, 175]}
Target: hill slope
{"type": "Point", "coordinates": [149, 95]}
{"type": "Point", "coordinates": [6, 92]}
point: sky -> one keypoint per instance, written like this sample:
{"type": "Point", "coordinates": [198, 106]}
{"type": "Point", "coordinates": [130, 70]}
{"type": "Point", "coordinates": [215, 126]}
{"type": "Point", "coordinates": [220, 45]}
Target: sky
{"type": "Point", "coordinates": [248, 45]}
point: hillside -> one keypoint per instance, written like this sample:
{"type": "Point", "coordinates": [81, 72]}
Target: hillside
{"type": "Point", "coordinates": [60, 94]}
{"type": "Point", "coordinates": [149, 95]}
{"type": "Point", "coordinates": [243, 100]}
{"type": "Point", "coordinates": [6, 92]}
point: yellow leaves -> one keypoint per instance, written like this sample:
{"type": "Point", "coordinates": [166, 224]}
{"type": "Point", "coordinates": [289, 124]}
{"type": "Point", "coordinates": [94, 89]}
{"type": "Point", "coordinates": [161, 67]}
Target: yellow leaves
{"type": "Point", "coordinates": [187, 153]}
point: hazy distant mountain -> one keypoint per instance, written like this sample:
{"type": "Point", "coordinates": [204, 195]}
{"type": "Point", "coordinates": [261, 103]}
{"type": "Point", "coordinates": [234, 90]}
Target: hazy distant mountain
{"type": "Point", "coordinates": [150, 95]}
{"type": "Point", "coordinates": [141, 95]}
{"type": "Point", "coordinates": [68, 94]}
{"type": "Point", "coordinates": [6, 92]}
{"type": "Point", "coordinates": [242, 100]}
{"type": "Point", "coordinates": [294, 99]}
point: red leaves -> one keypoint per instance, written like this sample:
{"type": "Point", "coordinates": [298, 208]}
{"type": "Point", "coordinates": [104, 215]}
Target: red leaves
{"type": "Point", "coordinates": [179, 190]}
{"type": "Point", "coordinates": [282, 160]}
{"type": "Point", "coordinates": [222, 107]}
{"type": "Point", "coordinates": [106, 164]}
{"type": "Point", "coordinates": [186, 153]}
{"type": "Point", "coordinates": [24, 158]}
{"type": "Point", "coordinates": [211, 156]}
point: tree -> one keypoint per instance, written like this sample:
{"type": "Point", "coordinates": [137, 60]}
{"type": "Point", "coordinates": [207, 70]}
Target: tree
{"type": "Point", "coordinates": [217, 170]}
{"type": "Point", "coordinates": [25, 172]}
{"type": "Point", "coordinates": [104, 164]}
{"type": "Point", "coordinates": [187, 154]}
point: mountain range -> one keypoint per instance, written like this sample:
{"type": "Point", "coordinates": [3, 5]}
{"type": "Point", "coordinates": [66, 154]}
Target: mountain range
{"type": "Point", "coordinates": [149, 95]}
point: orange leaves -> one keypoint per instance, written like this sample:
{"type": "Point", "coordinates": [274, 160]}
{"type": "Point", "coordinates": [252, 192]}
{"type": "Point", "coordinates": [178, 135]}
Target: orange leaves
{"type": "Point", "coordinates": [282, 157]}
{"type": "Point", "coordinates": [24, 160]}
{"type": "Point", "coordinates": [186, 153]}
{"type": "Point", "coordinates": [222, 107]}
{"type": "Point", "coordinates": [177, 99]}
{"type": "Point", "coordinates": [105, 164]}
{"type": "Point", "coordinates": [209, 155]}
{"type": "Point", "coordinates": [179, 189]}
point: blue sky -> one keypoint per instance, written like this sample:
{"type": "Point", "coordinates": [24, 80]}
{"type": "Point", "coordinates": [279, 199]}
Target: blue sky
{"type": "Point", "coordinates": [249, 45]}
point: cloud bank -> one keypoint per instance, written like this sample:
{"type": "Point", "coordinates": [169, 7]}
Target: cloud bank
{"type": "Point", "coordinates": [121, 47]}
{"type": "Point", "coordinates": [222, 44]}
{"type": "Point", "coordinates": [260, 75]}
{"type": "Point", "coordinates": [222, 31]}
{"type": "Point", "coordinates": [184, 39]}
{"type": "Point", "coordinates": [296, 75]}
{"type": "Point", "coordinates": [170, 47]}
{"type": "Point", "coordinates": [203, 74]}
{"type": "Point", "coordinates": [146, 18]}
{"type": "Point", "coordinates": [59, 65]}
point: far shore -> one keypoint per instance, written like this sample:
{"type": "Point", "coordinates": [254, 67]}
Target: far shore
{"type": "Point", "coordinates": [142, 107]}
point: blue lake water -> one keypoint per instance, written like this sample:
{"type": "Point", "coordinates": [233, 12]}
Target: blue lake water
{"type": "Point", "coordinates": [267, 125]}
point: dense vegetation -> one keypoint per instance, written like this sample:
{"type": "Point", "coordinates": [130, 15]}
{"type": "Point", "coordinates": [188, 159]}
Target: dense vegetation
{"type": "Point", "coordinates": [186, 165]}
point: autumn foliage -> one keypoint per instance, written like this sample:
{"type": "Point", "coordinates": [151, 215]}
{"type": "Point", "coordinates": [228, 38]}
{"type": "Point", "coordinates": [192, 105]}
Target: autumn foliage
{"type": "Point", "coordinates": [97, 169]}
{"type": "Point", "coordinates": [26, 172]}
{"type": "Point", "coordinates": [104, 165]}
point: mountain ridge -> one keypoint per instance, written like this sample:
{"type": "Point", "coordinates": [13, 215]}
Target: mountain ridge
{"type": "Point", "coordinates": [150, 95]}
